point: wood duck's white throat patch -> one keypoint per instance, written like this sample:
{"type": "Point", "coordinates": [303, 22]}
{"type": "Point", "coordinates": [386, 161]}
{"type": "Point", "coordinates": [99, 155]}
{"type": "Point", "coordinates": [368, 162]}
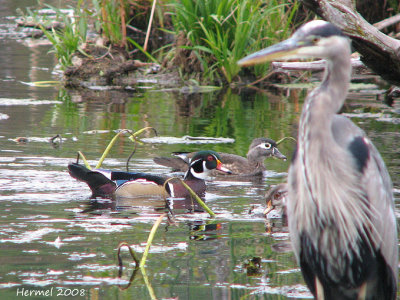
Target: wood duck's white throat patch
{"type": "Point", "coordinates": [203, 174]}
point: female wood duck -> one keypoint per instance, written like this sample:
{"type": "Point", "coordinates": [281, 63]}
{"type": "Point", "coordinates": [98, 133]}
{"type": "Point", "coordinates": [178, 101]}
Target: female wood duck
{"type": "Point", "coordinates": [253, 165]}
{"type": "Point", "coordinates": [276, 198]}
{"type": "Point", "coordinates": [106, 183]}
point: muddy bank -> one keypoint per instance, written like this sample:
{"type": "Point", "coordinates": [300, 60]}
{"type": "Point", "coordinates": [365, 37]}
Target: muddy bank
{"type": "Point", "coordinates": [113, 67]}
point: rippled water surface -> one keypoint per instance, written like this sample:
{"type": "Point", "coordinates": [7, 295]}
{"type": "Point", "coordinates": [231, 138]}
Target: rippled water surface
{"type": "Point", "coordinates": [54, 239]}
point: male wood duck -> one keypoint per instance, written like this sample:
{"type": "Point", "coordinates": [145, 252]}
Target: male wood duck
{"type": "Point", "coordinates": [253, 165]}
{"type": "Point", "coordinates": [106, 183]}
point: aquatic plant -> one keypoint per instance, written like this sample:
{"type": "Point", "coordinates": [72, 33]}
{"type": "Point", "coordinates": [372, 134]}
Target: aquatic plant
{"type": "Point", "coordinates": [107, 18]}
{"type": "Point", "coordinates": [132, 136]}
{"type": "Point", "coordinates": [67, 39]}
{"type": "Point", "coordinates": [110, 19]}
{"type": "Point", "coordinates": [220, 32]}
{"type": "Point", "coordinates": [217, 32]}
{"type": "Point", "coordinates": [113, 18]}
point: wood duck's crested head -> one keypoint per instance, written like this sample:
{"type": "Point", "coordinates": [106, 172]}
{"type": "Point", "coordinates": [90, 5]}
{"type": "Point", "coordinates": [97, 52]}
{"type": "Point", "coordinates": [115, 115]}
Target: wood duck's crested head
{"type": "Point", "coordinates": [261, 148]}
{"type": "Point", "coordinates": [203, 162]}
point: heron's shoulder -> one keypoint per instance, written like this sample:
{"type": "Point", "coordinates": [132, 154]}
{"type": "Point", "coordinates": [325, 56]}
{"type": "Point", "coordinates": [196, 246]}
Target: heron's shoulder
{"type": "Point", "coordinates": [344, 130]}
{"type": "Point", "coordinates": [353, 139]}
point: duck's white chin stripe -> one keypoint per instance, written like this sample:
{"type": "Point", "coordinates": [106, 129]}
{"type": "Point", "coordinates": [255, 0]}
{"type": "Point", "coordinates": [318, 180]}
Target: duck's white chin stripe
{"type": "Point", "coordinates": [201, 175]}
{"type": "Point", "coordinates": [171, 189]}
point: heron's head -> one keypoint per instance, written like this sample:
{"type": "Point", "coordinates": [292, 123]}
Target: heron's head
{"type": "Point", "coordinates": [315, 39]}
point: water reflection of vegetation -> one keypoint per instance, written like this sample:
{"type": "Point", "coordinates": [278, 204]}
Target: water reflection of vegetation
{"type": "Point", "coordinates": [219, 267]}
{"type": "Point", "coordinates": [216, 114]}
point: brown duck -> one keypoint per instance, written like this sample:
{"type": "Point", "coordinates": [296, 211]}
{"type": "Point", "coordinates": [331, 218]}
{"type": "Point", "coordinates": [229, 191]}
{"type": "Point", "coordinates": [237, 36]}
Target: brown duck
{"type": "Point", "coordinates": [253, 165]}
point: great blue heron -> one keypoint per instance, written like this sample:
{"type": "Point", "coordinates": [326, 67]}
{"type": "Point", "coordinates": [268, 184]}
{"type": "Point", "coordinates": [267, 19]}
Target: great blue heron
{"type": "Point", "coordinates": [340, 207]}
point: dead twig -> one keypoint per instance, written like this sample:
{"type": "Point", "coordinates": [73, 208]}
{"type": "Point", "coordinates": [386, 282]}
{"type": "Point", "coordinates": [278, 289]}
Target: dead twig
{"type": "Point", "coordinates": [388, 22]}
{"type": "Point", "coordinates": [149, 26]}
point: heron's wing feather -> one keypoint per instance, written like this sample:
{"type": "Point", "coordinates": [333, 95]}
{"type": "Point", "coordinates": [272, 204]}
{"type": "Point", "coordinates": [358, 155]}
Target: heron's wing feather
{"type": "Point", "coordinates": [378, 185]}
{"type": "Point", "coordinates": [291, 203]}
{"type": "Point", "coordinates": [375, 181]}
{"type": "Point", "coordinates": [344, 131]}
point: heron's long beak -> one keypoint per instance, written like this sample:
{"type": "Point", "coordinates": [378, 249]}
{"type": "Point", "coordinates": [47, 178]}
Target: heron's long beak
{"type": "Point", "coordinates": [284, 50]}
{"type": "Point", "coordinates": [221, 168]}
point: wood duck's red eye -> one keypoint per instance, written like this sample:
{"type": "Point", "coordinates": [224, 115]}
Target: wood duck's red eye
{"type": "Point", "coordinates": [210, 158]}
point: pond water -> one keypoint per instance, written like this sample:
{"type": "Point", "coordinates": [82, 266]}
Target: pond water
{"type": "Point", "coordinates": [54, 239]}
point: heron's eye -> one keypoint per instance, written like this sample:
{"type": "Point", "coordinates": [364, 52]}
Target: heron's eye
{"type": "Point", "coordinates": [267, 146]}
{"type": "Point", "coordinates": [315, 39]}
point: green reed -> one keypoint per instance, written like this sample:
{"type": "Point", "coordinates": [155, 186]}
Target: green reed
{"type": "Point", "coordinates": [223, 31]}
{"type": "Point", "coordinates": [219, 32]}
{"type": "Point", "coordinates": [109, 19]}
{"type": "Point", "coordinates": [66, 40]}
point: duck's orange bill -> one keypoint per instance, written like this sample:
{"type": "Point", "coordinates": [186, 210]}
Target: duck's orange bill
{"type": "Point", "coordinates": [222, 168]}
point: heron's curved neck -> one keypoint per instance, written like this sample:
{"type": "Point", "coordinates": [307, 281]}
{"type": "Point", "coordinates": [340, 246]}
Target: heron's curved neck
{"type": "Point", "coordinates": [315, 134]}
{"type": "Point", "coordinates": [337, 81]}
{"type": "Point", "coordinates": [335, 84]}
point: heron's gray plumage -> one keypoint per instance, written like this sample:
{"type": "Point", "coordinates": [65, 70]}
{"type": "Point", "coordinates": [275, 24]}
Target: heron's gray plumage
{"type": "Point", "coordinates": [340, 204]}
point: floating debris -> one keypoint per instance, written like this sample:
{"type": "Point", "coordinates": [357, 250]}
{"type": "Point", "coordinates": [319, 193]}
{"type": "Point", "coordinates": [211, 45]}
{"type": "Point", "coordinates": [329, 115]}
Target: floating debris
{"type": "Point", "coordinates": [29, 236]}
{"type": "Point", "coordinates": [3, 116]}
{"type": "Point", "coordinates": [187, 140]}
{"type": "Point", "coordinates": [57, 243]}
{"type": "Point", "coordinates": [51, 140]}
{"type": "Point", "coordinates": [10, 102]}
{"type": "Point", "coordinates": [96, 131]}
{"type": "Point", "coordinates": [20, 140]}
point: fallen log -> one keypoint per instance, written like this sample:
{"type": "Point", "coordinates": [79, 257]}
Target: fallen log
{"type": "Point", "coordinates": [378, 51]}
{"type": "Point", "coordinates": [317, 65]}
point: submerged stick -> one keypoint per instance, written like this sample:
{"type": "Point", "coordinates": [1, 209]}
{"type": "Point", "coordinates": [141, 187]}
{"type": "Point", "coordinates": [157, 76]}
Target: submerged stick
{"type": "Point", "coordinates": [132, 137]}
{"type": "Point", "coordinates": [120, 264]}
{"type": "Point", "coordinates": [150, 240]}
{"type": "Point", "coordinates": [130, 156]}
{"type": "Point", "coordinates": [140, 131]}
{"type": "Point", "coordinates": [80, 155]}
{"type": "Point", "coordinates": [122, 244]}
